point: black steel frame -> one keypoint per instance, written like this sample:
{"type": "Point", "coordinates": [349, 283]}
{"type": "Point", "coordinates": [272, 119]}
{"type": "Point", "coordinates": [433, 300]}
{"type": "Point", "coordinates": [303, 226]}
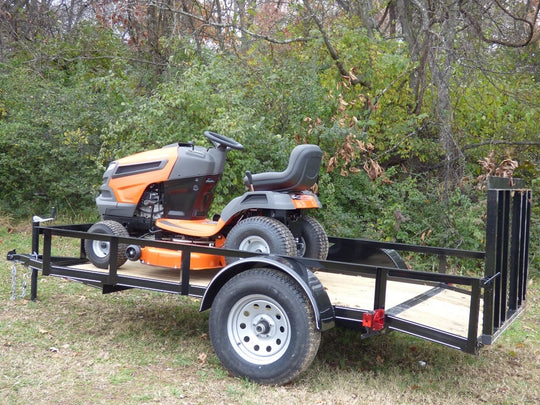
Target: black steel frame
{"type": "Point", "coordinates": [503, 287]}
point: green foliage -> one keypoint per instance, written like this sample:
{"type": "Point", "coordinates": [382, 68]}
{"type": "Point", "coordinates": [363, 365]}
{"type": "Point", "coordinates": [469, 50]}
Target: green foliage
{"type": "Point", "coordinates": [406, 210]}
{"type": "Point", "coordinates": [52, 114]}
{"type": "Point", "coordinates": [498, 110]}
{"type": "Point", "coordinates": [69, 105]}
{"type": "Point", "coordinates": [378, 112]}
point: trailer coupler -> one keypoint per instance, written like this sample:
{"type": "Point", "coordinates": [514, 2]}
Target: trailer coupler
{"type": "Point", "coordinates": [11, 255]}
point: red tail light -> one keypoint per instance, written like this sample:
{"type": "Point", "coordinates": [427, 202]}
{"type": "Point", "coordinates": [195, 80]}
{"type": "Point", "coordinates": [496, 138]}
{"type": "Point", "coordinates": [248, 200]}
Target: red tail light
{"type": "Point", "coordinates": [374, 320]}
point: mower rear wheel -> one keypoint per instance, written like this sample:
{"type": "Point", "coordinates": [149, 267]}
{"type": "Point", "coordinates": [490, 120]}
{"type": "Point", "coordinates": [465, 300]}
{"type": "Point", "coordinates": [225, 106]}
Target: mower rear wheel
{"type": "Point", "coordinates": [313, 241]}
{"type": "Point", "coordinates": [261, 235]}
{"type": "Point", "coordinates": [98, 251]}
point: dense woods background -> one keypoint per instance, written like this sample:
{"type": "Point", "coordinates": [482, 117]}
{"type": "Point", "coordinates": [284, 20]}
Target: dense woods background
{"type": "Point", "coordinates": [412, 101]}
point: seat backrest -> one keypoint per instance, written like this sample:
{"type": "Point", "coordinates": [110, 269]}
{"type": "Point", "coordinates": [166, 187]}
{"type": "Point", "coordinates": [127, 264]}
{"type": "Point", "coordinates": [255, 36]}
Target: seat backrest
{"type": "Point", "coordinates": [301, 173]}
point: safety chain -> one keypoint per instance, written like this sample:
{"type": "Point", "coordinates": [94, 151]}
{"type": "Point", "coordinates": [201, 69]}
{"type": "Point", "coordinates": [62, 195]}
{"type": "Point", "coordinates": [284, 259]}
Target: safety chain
{"type": "Point", "coordinates": [24, 282]}
{"type": "Point", "coordinates": [14, 282]}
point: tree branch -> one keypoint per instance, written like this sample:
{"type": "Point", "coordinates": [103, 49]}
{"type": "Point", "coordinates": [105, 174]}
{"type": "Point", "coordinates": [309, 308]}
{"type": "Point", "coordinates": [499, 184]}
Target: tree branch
{"type": "Point", "coordinates": [530, 24]}
{"type": "Point", "coordinates": [354, 80]}
{"type": "Point", "coordinates": [229, 26]}
{"type": "Point", "coordinates": [502, 142]}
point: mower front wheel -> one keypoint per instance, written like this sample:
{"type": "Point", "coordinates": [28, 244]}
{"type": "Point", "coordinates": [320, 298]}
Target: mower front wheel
{"type": "Point", "coordinates": [98, 251]}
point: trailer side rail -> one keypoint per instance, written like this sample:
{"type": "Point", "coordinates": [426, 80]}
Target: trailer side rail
{"type": "Point", "coordinates": [111, 280]}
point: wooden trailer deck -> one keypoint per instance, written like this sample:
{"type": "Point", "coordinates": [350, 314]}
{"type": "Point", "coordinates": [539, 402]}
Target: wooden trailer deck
{"type": "Point", "coordinates": [433, 306]}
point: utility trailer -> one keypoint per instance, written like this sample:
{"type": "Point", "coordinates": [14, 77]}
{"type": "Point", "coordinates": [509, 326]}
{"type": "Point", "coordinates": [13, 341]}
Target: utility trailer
{"type": "Point", "coordinates": [268, 311]}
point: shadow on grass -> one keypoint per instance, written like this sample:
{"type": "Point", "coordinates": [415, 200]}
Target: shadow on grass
{"type": "Point", "coordinates": [344, 349]}
{"type": "Point", "coordinates": [146, 319]}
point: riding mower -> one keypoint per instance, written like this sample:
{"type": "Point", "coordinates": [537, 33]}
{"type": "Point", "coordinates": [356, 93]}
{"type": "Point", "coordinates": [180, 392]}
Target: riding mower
{"type": "Point", "coordinates": [166, 194]}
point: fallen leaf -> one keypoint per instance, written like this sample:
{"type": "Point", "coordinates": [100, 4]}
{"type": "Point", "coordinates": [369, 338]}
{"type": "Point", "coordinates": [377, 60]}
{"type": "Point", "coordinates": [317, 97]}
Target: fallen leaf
{"type": "Point", "coordinates": [202, 358]}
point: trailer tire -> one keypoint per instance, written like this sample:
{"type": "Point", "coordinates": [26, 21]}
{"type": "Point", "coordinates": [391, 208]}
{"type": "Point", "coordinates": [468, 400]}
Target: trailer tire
{"type": "Point", "coordinates": [313, 240]}
{"type": "Point", "coordinates": [98, 251]}
{"type": "Point", "coordinates": [262, 327]}
{"type": "Point", "coordinates": [262, 235]}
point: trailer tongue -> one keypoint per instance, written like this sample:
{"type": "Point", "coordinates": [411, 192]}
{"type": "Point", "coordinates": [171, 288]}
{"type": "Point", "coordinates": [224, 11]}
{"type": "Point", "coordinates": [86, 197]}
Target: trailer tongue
{"type": "Point", "coordinates": [268, 311]}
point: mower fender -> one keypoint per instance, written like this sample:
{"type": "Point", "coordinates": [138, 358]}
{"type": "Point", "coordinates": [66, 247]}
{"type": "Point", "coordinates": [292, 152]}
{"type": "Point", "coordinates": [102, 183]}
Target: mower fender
{"type": "Point", "coordinates": [265, 200]}
{"type": "Point", "coordinates": [310, 284]}
{"type": "Point", "coordinates": [108, 205]}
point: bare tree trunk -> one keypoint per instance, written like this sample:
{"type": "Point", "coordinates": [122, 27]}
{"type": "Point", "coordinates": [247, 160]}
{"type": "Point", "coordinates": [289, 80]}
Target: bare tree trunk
{"type": "Point", "coordinates": [442, 63]}
{"type": "Point", "coordinates": [219, 29]}
{"type": "Point", "coordinates": [245, 20]}
{"type": "Point", "coordinates": [434, 49]}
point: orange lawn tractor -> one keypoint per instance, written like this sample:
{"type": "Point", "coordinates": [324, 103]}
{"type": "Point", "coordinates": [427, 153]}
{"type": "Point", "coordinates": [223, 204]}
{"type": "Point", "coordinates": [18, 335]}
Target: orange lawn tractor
{"type": "Point", "coordinates": [166, 194]}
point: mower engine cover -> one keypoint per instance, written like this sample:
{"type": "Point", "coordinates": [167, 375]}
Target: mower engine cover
{"type": "Point", "coordinates": [176, 181]}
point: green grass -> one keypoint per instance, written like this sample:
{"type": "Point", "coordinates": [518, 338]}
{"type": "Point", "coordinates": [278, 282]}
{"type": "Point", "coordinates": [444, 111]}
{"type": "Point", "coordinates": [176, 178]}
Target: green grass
{"type": "Point", "coordinates": [76, 345]}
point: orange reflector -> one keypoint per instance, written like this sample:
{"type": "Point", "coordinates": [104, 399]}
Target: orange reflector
{"type": "Point", "coordinates": [303, 201]}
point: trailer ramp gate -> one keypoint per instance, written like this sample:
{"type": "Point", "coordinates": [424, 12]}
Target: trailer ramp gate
{"type": "Point", "coordinates": [507, 253]}
{"type": "Point", "coordinates": [456, 311]}
{"type": "Point", "coordinates": [442, 308]}
{"type": "Point", "coordinates": [367, 282]}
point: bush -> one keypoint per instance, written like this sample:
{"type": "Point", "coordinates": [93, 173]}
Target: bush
{"type": "Point", "coordinates": [52, 113]}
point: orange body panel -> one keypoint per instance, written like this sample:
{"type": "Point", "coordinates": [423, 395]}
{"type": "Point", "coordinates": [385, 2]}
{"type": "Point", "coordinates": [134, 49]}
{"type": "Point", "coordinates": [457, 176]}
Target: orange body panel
{"type": "Point", "coordinates": [128, 189]}
{"type": "Point", "coordinates": [173, 259]}
{"type": "Point", "coordinates": [201, 228]}
{"type": "Point", "coordinates": [305, 201]}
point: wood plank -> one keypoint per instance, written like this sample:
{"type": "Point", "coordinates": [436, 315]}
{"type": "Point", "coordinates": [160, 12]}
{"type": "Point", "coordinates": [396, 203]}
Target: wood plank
{"type": "Point", "coordinates": [446, 310]}
{"type": "Point", "coordinates": [358, 291]}
{"type": "Point", "coordinates": [136, 269]}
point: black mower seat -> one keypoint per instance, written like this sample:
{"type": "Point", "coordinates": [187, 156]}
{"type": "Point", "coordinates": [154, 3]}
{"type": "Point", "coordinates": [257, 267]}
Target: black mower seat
{"type": "Point", "coordinates": [301, 173]}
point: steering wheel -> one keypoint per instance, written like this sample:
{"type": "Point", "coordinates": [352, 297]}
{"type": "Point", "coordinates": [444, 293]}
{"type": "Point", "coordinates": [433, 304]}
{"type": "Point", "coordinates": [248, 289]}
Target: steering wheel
{"type": "Point", "coordinates": [221, 141]}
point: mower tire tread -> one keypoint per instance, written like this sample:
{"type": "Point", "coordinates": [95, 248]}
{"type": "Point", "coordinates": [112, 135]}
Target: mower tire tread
{"type": "Point", "coordinates": [267, 234]}
{"type": "Point", "coordinates": [98, 251]}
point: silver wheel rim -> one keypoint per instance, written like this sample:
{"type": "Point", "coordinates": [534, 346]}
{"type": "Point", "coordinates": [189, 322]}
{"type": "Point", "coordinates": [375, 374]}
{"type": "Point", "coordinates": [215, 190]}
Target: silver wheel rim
{"type": "Point", "coordinates": [300, 247]}
{"type": "Point", "coordinates": [255, 244]}
{"type": "Point", "coordinates": [259, 329]}
{"type": "Point", "coordinates": [101, 248]}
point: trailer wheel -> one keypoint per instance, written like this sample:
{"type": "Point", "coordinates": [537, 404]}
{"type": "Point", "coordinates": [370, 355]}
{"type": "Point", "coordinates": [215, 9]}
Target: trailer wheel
{"type": "Point", "coordinates": [262, 327]}
{"type": "Point", "coordinates": [262, 235]}
{"type": "Point", "coordinates": [98, 251]}
{"type": "Point", "coordinates": [313, 241]}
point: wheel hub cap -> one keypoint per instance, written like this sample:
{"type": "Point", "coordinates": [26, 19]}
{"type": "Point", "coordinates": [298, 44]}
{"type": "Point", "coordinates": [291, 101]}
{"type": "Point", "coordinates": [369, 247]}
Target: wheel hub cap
{"type": "Point", "coordinates": [259, 329]}
{"type": "Point", "coordinates": [254, 244]}
{"type": "Point", "coordinates": [101, 248]}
